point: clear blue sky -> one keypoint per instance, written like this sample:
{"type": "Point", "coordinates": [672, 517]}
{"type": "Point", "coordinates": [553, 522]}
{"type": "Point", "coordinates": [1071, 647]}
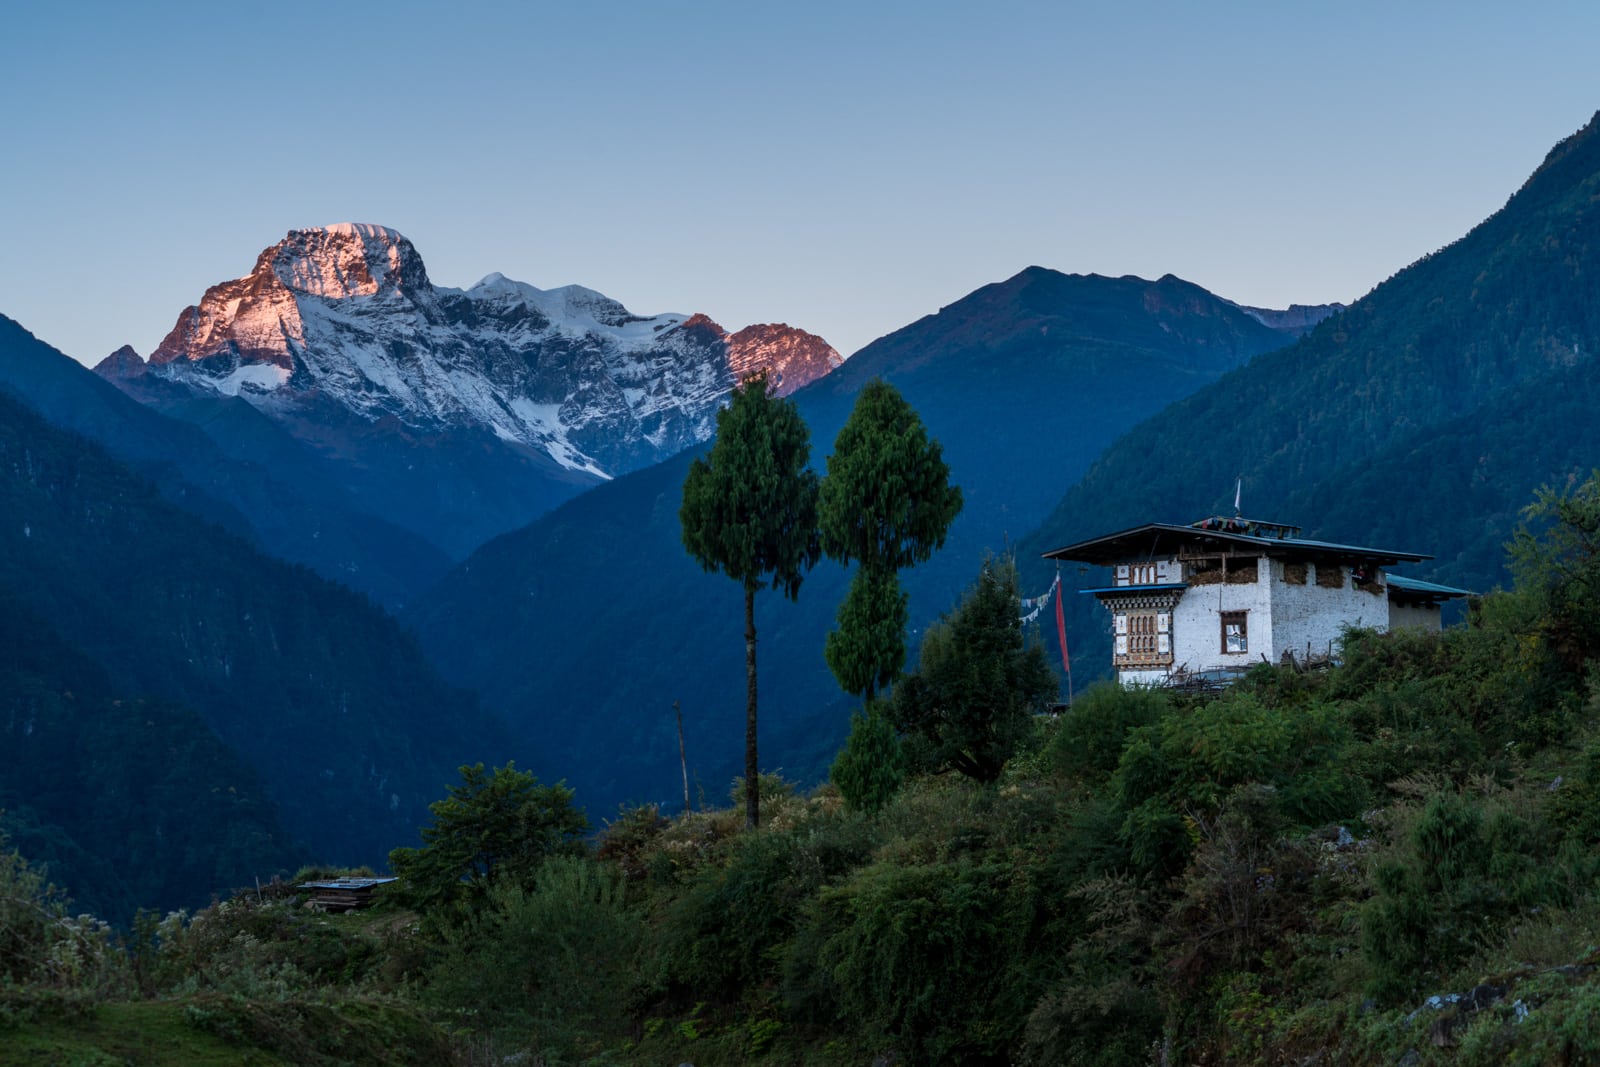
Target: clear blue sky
{"type": "Point", "coordinates": [844, 167]}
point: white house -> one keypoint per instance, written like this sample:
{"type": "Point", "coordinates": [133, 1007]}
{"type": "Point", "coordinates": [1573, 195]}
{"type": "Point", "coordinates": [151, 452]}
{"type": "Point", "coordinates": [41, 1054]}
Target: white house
{"type": "Point", "coordinates": [1215, 596]}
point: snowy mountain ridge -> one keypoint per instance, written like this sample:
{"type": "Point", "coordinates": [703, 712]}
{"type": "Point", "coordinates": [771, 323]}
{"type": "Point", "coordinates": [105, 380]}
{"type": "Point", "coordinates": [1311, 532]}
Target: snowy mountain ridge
{"type": "Point", "coordinates": [347, 314]}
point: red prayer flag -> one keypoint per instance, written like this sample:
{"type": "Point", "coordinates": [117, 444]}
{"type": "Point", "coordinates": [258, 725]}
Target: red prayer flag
{"type": "Point", "coordinates": [1061, 632]}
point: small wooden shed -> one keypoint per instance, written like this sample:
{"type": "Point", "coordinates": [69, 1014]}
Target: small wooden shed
{"type": "Point", "coordinates": [343, 894]}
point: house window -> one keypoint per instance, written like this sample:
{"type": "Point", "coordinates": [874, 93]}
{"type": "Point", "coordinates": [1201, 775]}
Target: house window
{"type": "Point", "coordinates": [1143, 638]}
{"type": "Point", "coordinates": [1235, 632]}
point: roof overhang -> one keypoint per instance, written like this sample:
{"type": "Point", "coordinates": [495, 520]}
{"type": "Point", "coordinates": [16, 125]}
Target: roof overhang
{"type": "Point", "coordinates": [1160, 540]}
{"type": "Point", "coordinates": [1416, 591]}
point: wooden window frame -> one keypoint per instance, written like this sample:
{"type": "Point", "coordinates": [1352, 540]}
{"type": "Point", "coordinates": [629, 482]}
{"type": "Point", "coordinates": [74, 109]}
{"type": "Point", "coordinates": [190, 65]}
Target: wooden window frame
{"type": "Point", "coordinates": [1142, 638]}
{"type": "Point", "coordinates": [1242, 618]}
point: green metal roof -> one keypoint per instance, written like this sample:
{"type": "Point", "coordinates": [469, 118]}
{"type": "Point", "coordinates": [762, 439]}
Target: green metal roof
{"type": "Point", "coordinates": [1432, 590]}
{"type": "Point", "coordinates": [1156, 540]}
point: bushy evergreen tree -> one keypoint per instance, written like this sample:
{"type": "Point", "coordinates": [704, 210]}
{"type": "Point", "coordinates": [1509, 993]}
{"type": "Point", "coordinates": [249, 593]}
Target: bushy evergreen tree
{"type": "Point", "coordinates": [750, 511]}
{"type": "Point", "coordinates": [872, 763]}
{"type": "Point", "coordinates": [886, 503]}
{"type": "Point", "coordinates": [1556, 558]}
{"type": "Point", "coordinates": [978, 682]}
{"type": "Point", "coordinates": [494, 827]}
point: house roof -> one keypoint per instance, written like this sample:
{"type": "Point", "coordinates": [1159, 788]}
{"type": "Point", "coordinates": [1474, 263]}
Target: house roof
{"type": "Point", "coordinates": [1161, 540]}
{"type": "Point", "coordinates": [1136, 588]}
{"type": "Point", "coordinates": [1416, 588]}
{"type": "Point", "coordinates": [347, 883]}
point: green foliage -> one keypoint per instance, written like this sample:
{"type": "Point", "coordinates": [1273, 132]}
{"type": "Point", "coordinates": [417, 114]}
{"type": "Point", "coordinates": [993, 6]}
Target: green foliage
{"type": "Point", "coordinates": [1103, 1011]}
{"type": "Point", "coordinates": [1556, 557]}
{"type": "Point", "coordinates": [750, 510]}
{"type": "Point", "coordinates": [1180, 768]}
{"type": "Point", "coordinates": [886, 503]}
{"type": "Point", "coordinates": [868, 649]}
{"type": "Point", "coordinates": [726, 929]}
{"type": "Point", "coordinates": [1087, 741]}
{"type": "Point", "coordinates": [1457, 867]}
{"type": "Point", "coordinates": [750, 506]}
{"type": "Point", "coordinates": [548, 964]}
{"type": "Point", "coordinates": [499, 826]}
{"type": "Point", "coordinates": [41, 945]}
{"type": "Point", "coordinates": [908, 952]}
{"type": "Point", "coordinates": [872, 764]}
{"type": "Point", "coordinates": [321, 1032]}
{"type": "Point", "coordinates": [978, 683]}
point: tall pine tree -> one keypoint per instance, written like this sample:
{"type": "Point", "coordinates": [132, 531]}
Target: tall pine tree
{"type": "Point", "coordinates": [750, 511]}
{"type": "Point", "coordinates": [886, 503]}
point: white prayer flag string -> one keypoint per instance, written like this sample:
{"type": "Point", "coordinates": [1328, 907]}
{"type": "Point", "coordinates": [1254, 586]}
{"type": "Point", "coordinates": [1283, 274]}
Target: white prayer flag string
{"type": "Point", "coordinates": [1033, 605]}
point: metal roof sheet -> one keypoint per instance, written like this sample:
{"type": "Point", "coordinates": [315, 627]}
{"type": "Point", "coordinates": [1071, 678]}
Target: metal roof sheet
{"type": "Point", "coordinates": [1144, 542]}
{"type": "Point", "coordinates": [1137, 588]}
{"type": "Point", "coordinates": [1417, 585]}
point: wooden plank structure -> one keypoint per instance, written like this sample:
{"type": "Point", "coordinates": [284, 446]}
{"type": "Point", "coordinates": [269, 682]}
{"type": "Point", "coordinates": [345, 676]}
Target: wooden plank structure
{"type": "Point", "coordinates": [343, 894]}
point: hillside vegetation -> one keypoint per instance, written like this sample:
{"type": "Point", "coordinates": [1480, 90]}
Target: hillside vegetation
{"type": "Point", "coordinates": [1396, 860]}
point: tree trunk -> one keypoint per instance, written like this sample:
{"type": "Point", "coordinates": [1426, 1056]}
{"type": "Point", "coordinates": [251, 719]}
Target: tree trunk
{"type": "Point", "coordinates": [752, 777]}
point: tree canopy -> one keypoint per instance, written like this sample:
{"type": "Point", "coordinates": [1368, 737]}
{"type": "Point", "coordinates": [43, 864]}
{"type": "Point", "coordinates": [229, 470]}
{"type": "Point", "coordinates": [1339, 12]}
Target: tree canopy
{"type": "Point", "coordinates": [978, 683]}
{"type": "Point", "coordinates": [887, 500]}
{"type": "Point", "coordinates": [886, 503]}
{"type": "Point", "coordinates": [1556, 558]}
{"type": "Point", "coordinates": [495, 826]}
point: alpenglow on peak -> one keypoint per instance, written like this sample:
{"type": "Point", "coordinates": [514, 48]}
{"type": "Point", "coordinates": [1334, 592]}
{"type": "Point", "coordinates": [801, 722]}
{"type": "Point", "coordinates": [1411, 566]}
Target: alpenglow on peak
{"type": "Point", "coordinates": [347, 314]}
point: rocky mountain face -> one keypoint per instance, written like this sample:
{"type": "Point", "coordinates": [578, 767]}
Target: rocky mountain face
{"type": "Point", "coordinates": [1296, 319]}
{"type": "Point", "coordinates": [456, 413]}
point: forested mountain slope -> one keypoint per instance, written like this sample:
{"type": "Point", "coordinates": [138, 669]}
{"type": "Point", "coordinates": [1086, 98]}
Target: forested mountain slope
{"type": "Point", "coordinates": [129, 802]}
{"type": "Point", "coordinates": [264, 486]}
{"type": "Point", "coordinates": [315, 688]}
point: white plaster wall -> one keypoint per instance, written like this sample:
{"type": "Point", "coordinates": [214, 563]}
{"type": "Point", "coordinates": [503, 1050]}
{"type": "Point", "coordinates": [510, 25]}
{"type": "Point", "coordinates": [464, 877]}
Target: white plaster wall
{"type": "Point", "coordinates": [1197, 624]}
{"type": "Point", "coordinates": [1421, 617]}
{"type": "Point", "coordinates": [1311, 615]}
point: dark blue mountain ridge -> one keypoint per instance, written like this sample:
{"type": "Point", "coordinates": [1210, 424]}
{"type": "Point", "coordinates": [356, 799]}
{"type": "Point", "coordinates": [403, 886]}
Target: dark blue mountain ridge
{"type": "Point", "coordinates": [265, 487]}
{"type": "Point", "coordinates": [331, 706]}
{"type": "Point", "coordinates": [583, 628]}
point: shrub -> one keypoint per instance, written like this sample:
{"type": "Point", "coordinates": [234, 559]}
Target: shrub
{"type": "Point", "coordinates": [908, 954]}
{"type": "Point", "coordinates": [551, 963]}
{"type": "Point", "coordinates": [1087, 741]}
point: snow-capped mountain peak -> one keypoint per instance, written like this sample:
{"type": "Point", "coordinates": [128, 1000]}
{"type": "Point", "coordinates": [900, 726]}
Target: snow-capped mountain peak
{"type": "Point", "coordinates": [344, 317]}
{"type": "Point", "coordinates": [347, 259]}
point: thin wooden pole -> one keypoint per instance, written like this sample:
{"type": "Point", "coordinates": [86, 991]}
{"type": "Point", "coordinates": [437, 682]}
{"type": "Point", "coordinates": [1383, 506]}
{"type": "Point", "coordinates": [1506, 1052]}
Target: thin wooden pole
{"type": "Point", "coordinates": [683, 759]}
